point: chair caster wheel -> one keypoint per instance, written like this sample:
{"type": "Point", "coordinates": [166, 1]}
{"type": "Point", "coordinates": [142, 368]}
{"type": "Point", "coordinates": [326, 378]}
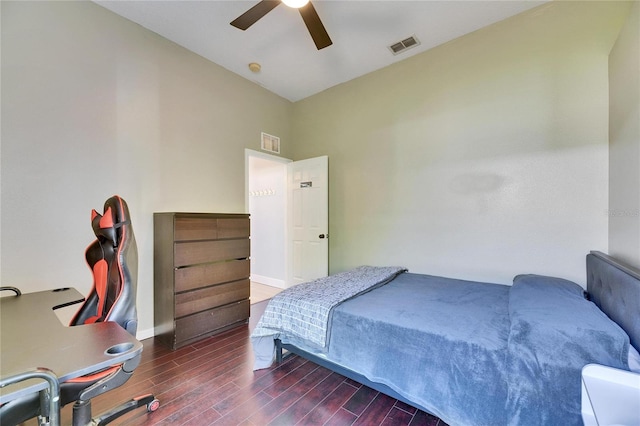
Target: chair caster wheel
{"type": "Point", "coordinates": [153, 406]}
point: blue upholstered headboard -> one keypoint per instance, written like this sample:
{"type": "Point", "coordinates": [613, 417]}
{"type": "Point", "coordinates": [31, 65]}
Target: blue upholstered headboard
{"type": "Point", "coordinates": [615, 288]}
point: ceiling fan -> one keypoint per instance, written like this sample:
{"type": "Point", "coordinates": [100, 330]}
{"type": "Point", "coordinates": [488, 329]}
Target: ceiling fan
{"type": "Point", "coordinates": [307, 11]}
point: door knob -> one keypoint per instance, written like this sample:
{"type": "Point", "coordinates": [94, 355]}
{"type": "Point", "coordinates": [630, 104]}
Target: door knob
{"type": "Point", "coordinates": [321, 236]}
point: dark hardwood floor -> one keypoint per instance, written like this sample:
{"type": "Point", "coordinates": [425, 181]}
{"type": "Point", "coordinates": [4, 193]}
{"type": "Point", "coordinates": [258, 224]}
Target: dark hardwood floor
{"type": "Point", "coordinates": [211, 383]}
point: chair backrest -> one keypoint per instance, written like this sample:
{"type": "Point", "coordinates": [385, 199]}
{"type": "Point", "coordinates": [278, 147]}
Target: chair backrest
{"type": "Point", "coordinates": [113, 260]}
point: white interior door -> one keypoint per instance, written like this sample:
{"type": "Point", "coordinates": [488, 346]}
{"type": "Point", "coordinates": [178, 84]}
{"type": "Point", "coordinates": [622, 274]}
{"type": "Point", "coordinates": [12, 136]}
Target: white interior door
{"type": "Point", "coordinates": [308, 246]}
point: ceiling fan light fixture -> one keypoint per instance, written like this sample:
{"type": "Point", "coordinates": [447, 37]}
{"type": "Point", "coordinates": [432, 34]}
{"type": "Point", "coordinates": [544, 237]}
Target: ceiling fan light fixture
{"type": "Point", "coordinates": [296, 4]}
{"type": "Point", "coordinates": [308, 13]}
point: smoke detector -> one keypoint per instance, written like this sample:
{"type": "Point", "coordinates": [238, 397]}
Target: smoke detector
{"type": "Point", "coordinates": [254, 67]}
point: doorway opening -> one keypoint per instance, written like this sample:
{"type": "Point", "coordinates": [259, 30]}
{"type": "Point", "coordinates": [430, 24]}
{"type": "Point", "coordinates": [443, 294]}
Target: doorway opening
{"type": "Point", "coordinates": [289, 206]}
{"type": "Point", "coordinates": [266, 201]}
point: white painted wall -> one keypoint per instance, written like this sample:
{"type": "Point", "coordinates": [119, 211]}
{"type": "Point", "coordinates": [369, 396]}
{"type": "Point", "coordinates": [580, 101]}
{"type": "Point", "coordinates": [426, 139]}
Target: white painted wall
{"type": "Point", "coordinates": [483, 158]}
{"type": "Point", "coordinates": [94, 105]}
{"type": "Point", "coordinates": [624, 142]}
{"type": "Point", "coordinates": [267, 195]}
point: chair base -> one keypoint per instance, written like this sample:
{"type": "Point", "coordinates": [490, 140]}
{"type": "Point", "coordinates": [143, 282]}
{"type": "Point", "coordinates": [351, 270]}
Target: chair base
{"type": "Point", "coordinates": [82, 410]}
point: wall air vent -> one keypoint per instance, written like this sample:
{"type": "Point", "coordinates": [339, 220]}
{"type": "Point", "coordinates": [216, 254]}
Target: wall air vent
{"type": "Point", "coordinates": [403, 45]}
{"type": "Point", "coordinates": [270, 143]}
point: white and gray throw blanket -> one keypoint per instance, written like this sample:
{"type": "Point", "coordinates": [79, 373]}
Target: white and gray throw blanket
{"type": "Point", "coordinates": [304, 311]}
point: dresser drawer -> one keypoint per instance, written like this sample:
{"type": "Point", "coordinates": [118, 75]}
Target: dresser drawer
{"type": "Point", "coordinates": [196, 228]}
{"type": "Point", "coordinates": [193, 253]}
{"type": "Point", "coordinates": [196, 276]}
{"type": "Point", "coordinates": [211, 297]}
{"type": "Point", "coordinates": [208, 322]}
{"type": "Point", "coordinates": [233, 228]}
{"type": "Point", "coordinates": [190, 228]}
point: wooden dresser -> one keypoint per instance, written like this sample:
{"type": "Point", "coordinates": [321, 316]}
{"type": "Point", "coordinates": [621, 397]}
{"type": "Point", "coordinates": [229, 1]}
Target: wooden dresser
{"type": "Point", "coordinates": [201, 275]}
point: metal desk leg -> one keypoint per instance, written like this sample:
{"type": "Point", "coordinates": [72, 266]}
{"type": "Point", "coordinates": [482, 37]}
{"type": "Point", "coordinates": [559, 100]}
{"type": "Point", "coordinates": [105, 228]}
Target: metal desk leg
{"type": "Point", "coordinates": [53, 408]}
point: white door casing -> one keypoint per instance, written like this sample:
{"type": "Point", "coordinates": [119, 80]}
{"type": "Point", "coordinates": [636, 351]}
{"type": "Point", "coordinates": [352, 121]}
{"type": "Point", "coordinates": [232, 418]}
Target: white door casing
{"type": "Point", "coordinates": [308, 224]}
{"type": "Point", "coordinates": [266, 202]}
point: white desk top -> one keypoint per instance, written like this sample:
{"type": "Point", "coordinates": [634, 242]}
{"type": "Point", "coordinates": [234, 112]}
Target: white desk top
{"type": "Point", "coordinates": [610, 396]}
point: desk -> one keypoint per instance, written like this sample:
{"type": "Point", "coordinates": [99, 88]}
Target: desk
{"type": "Point", "coordinates": [32, 336]}
{"type": "Point", "coordinates": [610, 396]}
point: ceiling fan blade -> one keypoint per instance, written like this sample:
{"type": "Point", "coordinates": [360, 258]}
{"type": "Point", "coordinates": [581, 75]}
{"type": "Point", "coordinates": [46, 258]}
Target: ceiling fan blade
{"type": "Point", "coordinates": [252, 15]}
{"type": "Point", "coordinates": [315, 27]}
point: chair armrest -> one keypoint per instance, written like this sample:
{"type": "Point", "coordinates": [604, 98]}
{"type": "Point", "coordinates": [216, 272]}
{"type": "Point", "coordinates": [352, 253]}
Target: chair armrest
{"type": "Point", "coordinates": [50, 402]}
{"type": "Point", "coordinates": [16, 290]}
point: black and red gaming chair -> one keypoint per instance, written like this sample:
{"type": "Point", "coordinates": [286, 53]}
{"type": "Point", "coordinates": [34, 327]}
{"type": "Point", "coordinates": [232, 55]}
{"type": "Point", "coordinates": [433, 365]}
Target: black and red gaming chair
{"type": "Point", "coordinates": [113, 259]}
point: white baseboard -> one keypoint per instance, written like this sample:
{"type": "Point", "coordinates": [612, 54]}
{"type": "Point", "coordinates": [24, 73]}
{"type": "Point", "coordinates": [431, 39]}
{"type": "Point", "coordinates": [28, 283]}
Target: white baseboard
{"type": "Point", "coordinates": [145, 334]}
{"type": "Point", "coordinates": [273, 282]}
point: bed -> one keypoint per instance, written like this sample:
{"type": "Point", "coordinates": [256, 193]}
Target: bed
{"type": "Point", "coordinates": [467, 352]}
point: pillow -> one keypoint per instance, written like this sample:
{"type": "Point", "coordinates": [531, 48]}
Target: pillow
{"type": "Point", "coordinates": [554, 333]}
{"type": "Point", "coordinates": [553, 313]}
{"type": "Point", "coordinates": [546, 299]}
{"type": "Point", "coordinates": [551, 284]}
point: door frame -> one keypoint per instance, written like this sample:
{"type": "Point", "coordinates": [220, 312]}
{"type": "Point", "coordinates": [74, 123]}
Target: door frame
{"type": "Point", "coordinates": [248, 153]}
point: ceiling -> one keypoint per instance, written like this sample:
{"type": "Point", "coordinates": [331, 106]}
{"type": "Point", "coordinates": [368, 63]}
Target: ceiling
{"type": "Point", "coordinates": [361, 31]}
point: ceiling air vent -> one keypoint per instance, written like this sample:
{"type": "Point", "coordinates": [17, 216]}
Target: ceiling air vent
{"type": "Point", "coordinates": [403, 45]}
{"type": "Point", "coordinates": [270, 143]}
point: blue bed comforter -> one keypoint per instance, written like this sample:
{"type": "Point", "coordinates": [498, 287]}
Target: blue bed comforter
{"type": "Point", "coordinates": [476, 353]}
{"type": "Point", "coordinates": [438, 342]}
{"type": "Point", "coordinates": [554, 332]}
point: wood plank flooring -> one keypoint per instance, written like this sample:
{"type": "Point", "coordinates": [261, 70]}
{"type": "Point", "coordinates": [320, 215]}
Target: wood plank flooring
{"type": "Point", "coordinates": [211, 383]}
{"type": "Point", "coordinates": [261, 292]}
